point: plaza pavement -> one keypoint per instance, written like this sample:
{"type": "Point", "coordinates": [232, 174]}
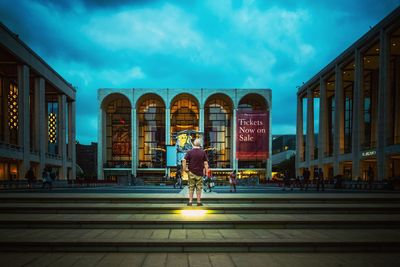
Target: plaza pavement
{"type": "Point", "coordinates": [147, 229]}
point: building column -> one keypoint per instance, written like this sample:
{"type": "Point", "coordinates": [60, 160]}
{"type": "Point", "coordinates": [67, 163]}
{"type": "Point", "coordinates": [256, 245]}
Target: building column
{"type": "Point", "coordinates": [299, 134]}
{"type": "Point", "coordinates": [338, 137]}
{"type": "Point", "coordinates": [101, 143]}
{"type": "Point", "coordinates": [62, 147]}
{"type": "Point", "coordinates": [167, 135]}
{"type": "Point", "coordinates": [322, 122]}
{"type": "Point", "coordinates": [40, 119]}
{"type": "Point", "coordinates": [357, 116]}
{"type": "Point", "coordinates": [269, 160]}
{"type": "Point", "coordinates": [201, 120]}
{"type": "Point", "coordinates": [23, 118]}
{"type": "Point", "coordinates": [383, 100]}
{"type": "Point", "coordinates": [310, 127]}
{"type": "Point", "coordinates": [72, 138]}
{"type": "Point", "coordinates": [167, 126]}
{"type": "Point", "coordinates": [134, 142]}
{"type": "Point", "coordinates": [234, 134]}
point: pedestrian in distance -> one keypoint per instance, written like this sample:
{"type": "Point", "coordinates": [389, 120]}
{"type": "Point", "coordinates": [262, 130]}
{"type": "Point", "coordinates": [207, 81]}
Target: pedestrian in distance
{"type": "Point", "coordinates": [306, 178]}
{"type": "Point", "coordinates": [46, 179]}
{"type": "Point", "coordinates": [178, 178]}
{"type": "Point", "coordinates": [232, 181]}
{"type": "Point", "coordinates": [320, 180]}
{"type": "Point", "coordinates": [287, 182]}
{"type": "Point", "coordinates": [195, 163]}
{"type": "Point", "coordinates": [30, 176]}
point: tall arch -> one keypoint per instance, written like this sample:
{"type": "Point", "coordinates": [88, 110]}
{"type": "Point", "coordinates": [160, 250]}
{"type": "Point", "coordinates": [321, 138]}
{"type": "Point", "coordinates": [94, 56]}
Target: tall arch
{"type": "Point", "coordinates": [117, 124]}
{"type": "Point", "coordinates": [185, 114]}
{"type": "Point", "coordinates": [253, 102]}
{"type": "Point", "coordinates": [218, 130]}
{"type": "Point", "coordinates": [151, 131]}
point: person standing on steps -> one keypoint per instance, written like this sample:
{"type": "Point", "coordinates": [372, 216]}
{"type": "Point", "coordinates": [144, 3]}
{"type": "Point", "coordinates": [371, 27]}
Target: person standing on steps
{"type": "Point", "coordinates": [232, 181]}
{"type": "Point", "coordinates": [197, 167]}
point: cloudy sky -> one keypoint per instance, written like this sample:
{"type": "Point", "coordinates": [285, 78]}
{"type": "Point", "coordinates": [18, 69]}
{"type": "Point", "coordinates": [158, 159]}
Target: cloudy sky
{"type": "Point", "coordinates": [274, 44]}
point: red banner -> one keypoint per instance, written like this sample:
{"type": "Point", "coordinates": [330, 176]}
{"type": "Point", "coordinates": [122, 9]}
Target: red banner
{"type": "Point", "coordinates": [252, 135]}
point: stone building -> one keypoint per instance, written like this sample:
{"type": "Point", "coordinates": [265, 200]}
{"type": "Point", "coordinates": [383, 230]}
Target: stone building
{"type": "Point", "coordinates": [37, 113]}
{"type": "Point", "coordinates": [354, 106]}
{"type": "Point", "coordinates": [135, 125]}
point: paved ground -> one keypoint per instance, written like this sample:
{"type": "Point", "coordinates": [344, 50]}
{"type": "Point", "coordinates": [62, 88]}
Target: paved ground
{"type": "Point", "coordinates": [200, 259]}
{"type": "Point", "coordinates": [54, 222]}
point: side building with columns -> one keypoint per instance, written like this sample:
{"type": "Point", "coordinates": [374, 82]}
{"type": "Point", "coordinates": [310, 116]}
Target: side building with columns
{"type": "Point", "coordinates": [353, 104]}
{"type": "Point", "coordinates": [135, 125]}
{"type": "Point", "coordinates": [37, 114]}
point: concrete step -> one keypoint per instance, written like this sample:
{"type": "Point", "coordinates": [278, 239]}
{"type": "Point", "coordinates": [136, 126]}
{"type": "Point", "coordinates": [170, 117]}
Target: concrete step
{"type": "Point", "coordinates": [215, 208]}
{"type": "Point", "coordinates": [199, 240]}
{"type": "Point", "coordinates": [209, 198]}
{"type": "Point", "coordinates": [190, 220]}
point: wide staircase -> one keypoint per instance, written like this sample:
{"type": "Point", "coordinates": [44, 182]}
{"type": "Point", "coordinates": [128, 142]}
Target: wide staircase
{"type": "Point", "coordinates": [291, 223]}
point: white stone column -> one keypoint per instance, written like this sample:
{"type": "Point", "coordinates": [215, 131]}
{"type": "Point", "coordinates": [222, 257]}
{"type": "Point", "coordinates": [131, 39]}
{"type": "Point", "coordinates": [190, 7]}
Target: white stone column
{"type": "Point", "coordinates": [201, 119]}
{"type": "Point", "coordinates": [338, 136]}
{"type": "Point", "coordinates": [101, 143]}
{"type": "Point", "coordinates": [299, 134]}
{"type": "Point", "coordinates": [357, 116]}
{"type": "Point", "coordinates": [322, 142]}
{"type": "Point", "coordinates": [72, 137]}
{"type": "Point", "coordinates": [62, 147]}
{"type": "Point", "coordinates": [383, 100]}
{"type": "Point", "coordinates": [23, 118]}
{"type": "Point", "coordinates": [167, 135]}
{"type": "Point", "coordinates": [234, 135]}
{"type": "Point", "coordinates": [134, 142]}
{"type": "Point", "coordinates": [310, 127]}
{"type": "Point", "coordinates": [40, 120]}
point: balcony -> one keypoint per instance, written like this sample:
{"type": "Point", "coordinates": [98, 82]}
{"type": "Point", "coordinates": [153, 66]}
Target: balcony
{"type": "Point", "coordinates": [117, 164]}
{"type": "Point", "coordinates": [7, 146]}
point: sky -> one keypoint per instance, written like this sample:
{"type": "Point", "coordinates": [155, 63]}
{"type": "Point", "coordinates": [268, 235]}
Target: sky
{"type": "Point", "coordinates": [277, 44]}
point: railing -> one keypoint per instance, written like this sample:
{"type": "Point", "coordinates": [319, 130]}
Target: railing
{"type": "Point", "coordinates": [117, 164]}
{"type": "Point", "coordinates": [368, 145]}
{"type": "Point", "coordinates": [10, 147]}
{"type": "Point", "coordinates": [53, 156]}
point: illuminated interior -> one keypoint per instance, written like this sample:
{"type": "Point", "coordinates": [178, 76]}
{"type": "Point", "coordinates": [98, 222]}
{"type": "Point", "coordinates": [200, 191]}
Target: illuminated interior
{"type": "Point", "coordinates": [184, 114]}
{"type": "Point", "coordinates": [118, 132]}
{"type": "Point", "coordinates": [217, 128]}
{"type": "Point", "coordinates": [151, 133]}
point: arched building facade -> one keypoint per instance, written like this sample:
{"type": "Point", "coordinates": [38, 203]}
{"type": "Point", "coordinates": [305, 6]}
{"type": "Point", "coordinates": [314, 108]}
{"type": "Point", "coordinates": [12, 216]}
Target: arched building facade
{"type": "Point", "coordinates": [135, 125]}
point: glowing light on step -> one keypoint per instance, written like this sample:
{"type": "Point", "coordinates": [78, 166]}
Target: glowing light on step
{"type": "Point", "coordinates": [194, 213]}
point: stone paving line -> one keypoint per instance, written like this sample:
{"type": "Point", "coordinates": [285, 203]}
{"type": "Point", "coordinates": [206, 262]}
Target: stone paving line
{"type": "Point", "coordinates": [206, 205]}
{"type": "Point", "coordinates": [206, 218]}
{"type": "Point", "coordinates": [235, 236]}
{"type": "Point", "coordinates": [200, 259]}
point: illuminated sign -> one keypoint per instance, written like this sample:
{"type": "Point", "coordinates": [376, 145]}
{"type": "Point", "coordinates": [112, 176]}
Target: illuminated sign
{"type": "Point", "coordinates": [368, 153]}
{"type": "Point", "coordinates": [252, 133]}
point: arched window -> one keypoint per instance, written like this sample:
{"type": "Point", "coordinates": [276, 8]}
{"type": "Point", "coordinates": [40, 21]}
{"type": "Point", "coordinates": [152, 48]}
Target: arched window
{"type": "Point", "coordinates": [217, 128]}
{"type": "Point", "coordinates": [118, 133]}
{"type": "Point", "coordinates": [184, 114]}
{"type": "Point", "coordinates": [151, 134]}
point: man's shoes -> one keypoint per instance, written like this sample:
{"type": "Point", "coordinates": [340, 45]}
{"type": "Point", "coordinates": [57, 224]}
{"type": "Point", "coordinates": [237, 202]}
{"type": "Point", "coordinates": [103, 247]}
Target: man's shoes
{"type": "Point", "coordinates": [189, 204]}
{"type": "Point", "coordinates": [199, 204]}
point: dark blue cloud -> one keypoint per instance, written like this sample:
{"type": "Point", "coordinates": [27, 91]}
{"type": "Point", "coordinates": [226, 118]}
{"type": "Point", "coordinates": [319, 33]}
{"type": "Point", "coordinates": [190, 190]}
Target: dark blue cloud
{"type": "Point", "coordinates": [186, 44]}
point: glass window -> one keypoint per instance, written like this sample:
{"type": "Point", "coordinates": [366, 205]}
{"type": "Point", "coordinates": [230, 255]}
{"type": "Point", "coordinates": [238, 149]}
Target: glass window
{"type": "Point", "coordinates": [184, 115]}
{"type": "Point", "coordinates": [118, 133]}
{"type": "Point", "coordinates": [52, 123]}
{"type": "Point", "coordinates": [151, 118]}
{"type": "Point", "coordinates": [217, 139]}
